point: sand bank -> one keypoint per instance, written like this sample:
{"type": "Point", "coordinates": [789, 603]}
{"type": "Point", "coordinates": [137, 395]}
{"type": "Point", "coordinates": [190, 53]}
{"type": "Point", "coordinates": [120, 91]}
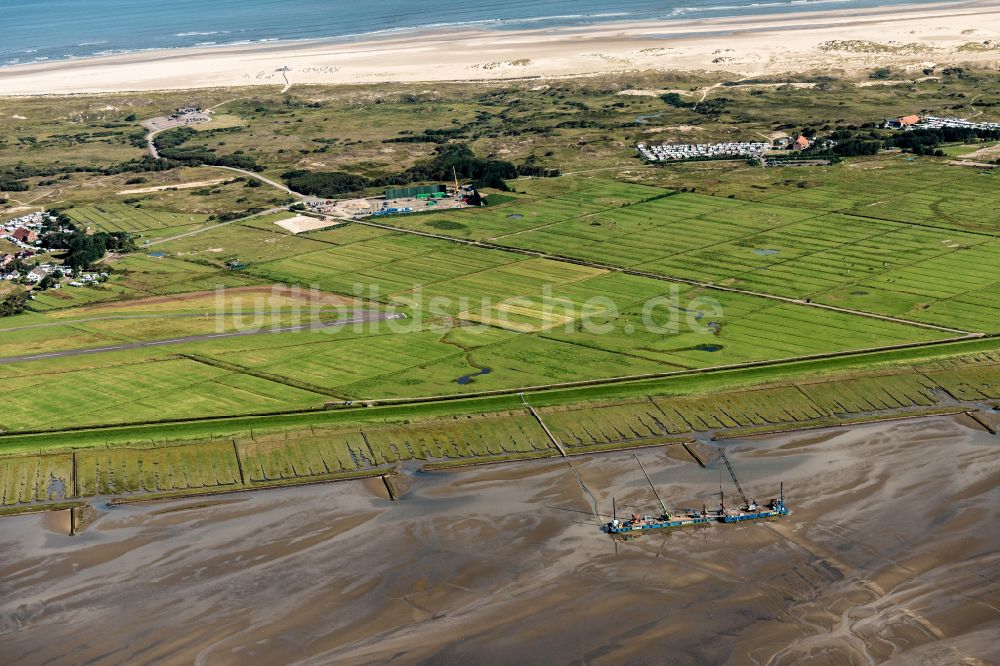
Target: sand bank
{"type": "Point", "coordinates": [908, 36]}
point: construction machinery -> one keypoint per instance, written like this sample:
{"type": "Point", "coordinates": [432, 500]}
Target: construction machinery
{"type": "Point", "coordinates": [750, 510]}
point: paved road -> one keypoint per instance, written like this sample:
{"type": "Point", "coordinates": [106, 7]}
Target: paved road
{"type": "Point", "coordinates": [153, 128]}
{"type": "Point", "coordinates": [151, 144]}
{"type": "Point", "coordinates": [73, 322]}
{"type": "Point", "coordinates": [370, 316]}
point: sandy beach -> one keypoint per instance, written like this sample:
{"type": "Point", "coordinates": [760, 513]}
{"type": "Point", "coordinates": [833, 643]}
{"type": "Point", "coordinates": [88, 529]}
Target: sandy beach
{"type": "Point", "coordinates": [888, 557]}
{"type": "Point", "coordinates": [905, 36]}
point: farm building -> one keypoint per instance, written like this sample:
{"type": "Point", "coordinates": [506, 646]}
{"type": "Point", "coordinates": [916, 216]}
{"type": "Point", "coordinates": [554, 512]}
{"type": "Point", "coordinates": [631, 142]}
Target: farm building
{"type": "Point", "coordinates": [421, 191]}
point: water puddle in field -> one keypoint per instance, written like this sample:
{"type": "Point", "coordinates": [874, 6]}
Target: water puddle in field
{"type": "Point", "coordinates": [859, 293]}
{"type": "Point", "coordinates": [698, 314]}
{"type": "Point", "coordinates": [764, 252]}
{"type": "Point", "coordinates": [515, 216]}
{"type": "Point", "coordinates": [469, 378]}
{"type": "Point", "coordinates": [56, 488]}
{"type": "Point", "coordinates": [709, 348]}
{"type": "Point", "coordinates": [157, 254]}
{"type": "Point", "coordinates": [644, 119]}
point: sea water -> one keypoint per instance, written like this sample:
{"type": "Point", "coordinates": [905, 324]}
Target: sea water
{"type": "Point", "coordinates": [44, 30]}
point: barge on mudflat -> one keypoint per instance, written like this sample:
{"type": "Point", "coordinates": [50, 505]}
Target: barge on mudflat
{"type": "Point", "coordinates": [752, 511]}
{"type": "Point", "coordinates": [638, 523]}
{"type": "Point", "coordinates": [749, 510]}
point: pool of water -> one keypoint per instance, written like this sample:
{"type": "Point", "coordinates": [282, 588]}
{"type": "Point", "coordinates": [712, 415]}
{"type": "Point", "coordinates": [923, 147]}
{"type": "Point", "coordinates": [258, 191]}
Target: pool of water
{"type": "Point", "coordinates": [698, 314]}
{"type": "Point", "coordinates": [469, 378]}
{"type": "Point", "coordinates": [515, 216]}
{"type": "Point", "coordinates": [764, 252]}
{"type": "Point", "coordinates": [157, 254]}
{"type": "Point", "coordinates": [709, 348]}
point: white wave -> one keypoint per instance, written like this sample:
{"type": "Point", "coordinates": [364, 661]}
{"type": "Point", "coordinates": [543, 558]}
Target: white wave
{"type": "Point", "coordinates": [677, 11]}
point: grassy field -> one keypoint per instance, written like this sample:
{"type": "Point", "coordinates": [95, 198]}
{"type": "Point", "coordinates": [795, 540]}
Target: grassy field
{"type": "Point", "coordinates": [901, 256]}
{"type": "Point", "coordinates": [273, 451]}
{"type": "Point", "coordinates": [897, 235]}
{"type": "Point", "coordinates": [971, 357]}
{"type": "Point", "coordinates": [121, 217]}
{"type": "Point", "coordinates": [519, 319]}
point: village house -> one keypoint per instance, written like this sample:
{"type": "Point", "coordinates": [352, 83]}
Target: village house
{"type": "Point", "coordinates": [801, 143]}
{"type": "Point", "coordinates": [24, 235]}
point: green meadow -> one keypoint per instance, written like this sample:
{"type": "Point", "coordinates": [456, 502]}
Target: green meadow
{"type": "Point", "coordinates": [627, 304]}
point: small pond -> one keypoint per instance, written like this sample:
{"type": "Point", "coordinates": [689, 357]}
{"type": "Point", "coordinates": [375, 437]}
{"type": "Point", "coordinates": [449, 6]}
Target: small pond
{"type": "Point", "coordinates": [469, 378]}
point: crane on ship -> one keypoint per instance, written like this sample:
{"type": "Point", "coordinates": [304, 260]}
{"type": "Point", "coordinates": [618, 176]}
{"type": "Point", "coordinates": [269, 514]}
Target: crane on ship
{"type": "Point", "coordinates": [663, 507]}
{"type": "Point", "coordinates": [750, 504]}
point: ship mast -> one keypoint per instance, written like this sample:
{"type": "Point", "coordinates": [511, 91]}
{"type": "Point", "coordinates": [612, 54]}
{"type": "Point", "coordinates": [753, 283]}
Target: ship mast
{"type": "Point", "coordinates": [662, 506]}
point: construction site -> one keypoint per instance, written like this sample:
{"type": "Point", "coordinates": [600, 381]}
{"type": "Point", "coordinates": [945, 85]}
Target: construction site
{"type": "Point", "coordinates": [398, 201]}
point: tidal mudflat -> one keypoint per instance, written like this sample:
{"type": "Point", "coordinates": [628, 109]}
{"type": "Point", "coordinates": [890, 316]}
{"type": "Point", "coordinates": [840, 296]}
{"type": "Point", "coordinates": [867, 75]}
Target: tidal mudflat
{"type": "Point", "coordinates": [891, 555]}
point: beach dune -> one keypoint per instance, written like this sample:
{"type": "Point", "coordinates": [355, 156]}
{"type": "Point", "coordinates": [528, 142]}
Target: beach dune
{"type": "Point", "coordinates": [911, 37]}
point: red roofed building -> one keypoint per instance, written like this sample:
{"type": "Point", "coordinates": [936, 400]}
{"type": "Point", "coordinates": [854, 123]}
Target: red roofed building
{"type": "Point", "coordinates": [801, 143]}
{"type": "Point", "coordinates": [906, 121]}
{"type": "Point", "coordinates": [24, 235]}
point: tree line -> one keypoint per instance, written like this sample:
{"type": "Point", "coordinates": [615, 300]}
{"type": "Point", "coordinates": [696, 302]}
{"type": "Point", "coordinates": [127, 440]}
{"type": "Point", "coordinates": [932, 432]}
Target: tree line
{"type": "Point", "coordinates": [449, 160]}
{"type": "Point", "coordinates": [922, 141]}
{"type": "Point", "coordinates": [82, 250]}
{"type": "Point", "coordinates": [170, 145]}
